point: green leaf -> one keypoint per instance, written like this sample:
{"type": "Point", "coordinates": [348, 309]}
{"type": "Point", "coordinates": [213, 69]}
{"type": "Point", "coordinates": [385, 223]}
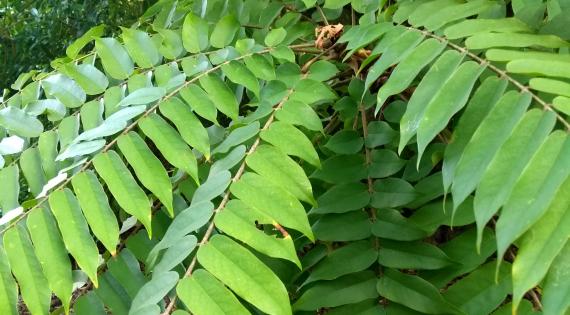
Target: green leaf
{"type": "Point", "coordinates": [200, 102]}
{"type": "Point", "coordinates": [189, 126]}
{"type": "Point", "coordinates": [123, 187]}
{"type": "Point", "coordinates": [27, 270]}
{"type": "Point", "coordinates": [461, 250]}
{"type": "Point", "coordinates": [95, 205]}
{"type": "Point", "coordinates": [73, 50]}
{"type": "Point", "coordinates": [51, 253]}
{"type": "Point", "coordinates": [355, 226]}
{"type": "Point", "coordinates": [140, 47]}
{"type": "Point", "coordinates": [282, 171]}
{"type": "Point", "coordinates": [392, 192]}
{"type": "Point", "coordinates": [171, 46]}
{"type": "Point", "coordinates": [48, 145]}
{"type": "Point", "coordinates": [348, 289]}
{"type": "Point", "coordinates": [154, 291]}
{"type": "Point", "coordinates": [239, 74]}
{"type": "Point", "coordinates": [223, 98]}
{"type": "Point", "coordinates": [502, 173]}
{"type": "Point", "coordinates": [242, 272]}
{"type": "Point", "coordinates": [148, 168]}
{"type": "Point", "coordinates": [407, 70]}
{"type": "Point", "coordinates": [346, 260]}
{"type": "Point", "coordinates": [534, 190]}
{"type": "Point", "coordinates": [379, 133]}
{"type": "Point", "coordinates": [203, 294]}
{"type": "Point", "coordinates": [20, 123]}
{"type": "Point", "coordinates": [526, 308]}
{"type": "Point", "coordinates": [551, 68]}
{"type": "Point", "coordinates": [176, 254]}
{"type": "Point", "coordinates": [456, 12]}
{"type": "Point", "coordinates": [335, 4]}
{"type": "Point", "coordinates": [431, 216]}
{"type": "Point", "coordinates": [214, 186]}
{"type": "Point", "coordinates": [482, 101]}
{"type": "Point", "coordinates": [272, 200]}
{"type": "Point", "coordinates": [541, 244]}
{"type": "Point", "coordinates": [170, 144]}
{"type": "Point", "coordinates": [291, 141]}
{"type": "Point", "coordinates": [81, 148]}
{"type": "Point", "coordinates": [228, 161]}
{"type": "Point", "coordinates": [143, 96]}
{"type": "Point", "coordinates": [486, 141]}
{"type": "Point", "coordinates": [562, 104]}
{"type": "Point", "coordinates": [311, 92]}
{"type": "Point", "coordinates": [413, 292]}
{"type": "Point", "coordinates": [90, 115]}
{"type": "Point", "coordinates": [556, 292]}
{"type": "Point", "coordinates": [75, 231]}
{"type": "Point", "coordinates": [112, 125]}
{"type": "Point", "coordinates": [260, 67]}
{"type": "Point", "coordinates": [393, 54]}
{"type": "Point", "coordinates": [322, 70]}
{"type": "Point", "coordinates": [114, 57]}
{"type": "Point", "coordinates": [426, 9]}
{"type": "Point", "coordinates": [470, 27]}
{"type": "Point", "coordinates": [300, 114]}
{"type": "Point", "coordinates": [449, 99]}
{"type": "Point", "coordinates": [89, 304]}
{"type": "Point", "coordinates": [550, 86]}
{"type": "Point", "coordinates": [359, 36]}
{"type": "Point", "coordinates": [31, 165]}
{"type": "Point", "coordinates": [343, 198]}
{"type": "Point", "coordinates": [275, 37]}
{"type": "Point", "coordinates": [406, 255]}
{"type": "Point", "coordinates": [89, 78]}
{"type": "Point", "coordinates": [509, 55]}
{"type": "Point", "coordinates": [283, 53]}
{"type": "Point", "coordinates": [345, 142]}
{"type": "Point", "coordinates": [196, 64]}
{"type": "Point", "coordinates": [488, 40]}
{"type": "Point", "coordinates": [237, 137]}
{"type": "Point", "coordinates": [8, 287]}
{"type": "Point", "coordinates": [392, 225]}
{"type": "Point", "coordinates": [478, 293]}
{"type": "Point", "coordinates": [238, 220]}
{"type": "Point", "coordinates": [113, 294]}
{"type": "Point", "coordinates": [189, 220]}
{"type": "Point", "coordinates": [435, 78]}
{"type": "Point", "coordinates": [195, 34]}
{"type": "Point", "coordinates": [384, 163]}
{"type": "Point", "coordinates": [224, 31]}
{"type": "Point", "coordinates": [10, 177]}
{"type": "Point", "coordinates": [342, 169]}
{"type": "Point", "coordinates": [52, 108]}
{"type": "Point", "coordinates": [126, 270]}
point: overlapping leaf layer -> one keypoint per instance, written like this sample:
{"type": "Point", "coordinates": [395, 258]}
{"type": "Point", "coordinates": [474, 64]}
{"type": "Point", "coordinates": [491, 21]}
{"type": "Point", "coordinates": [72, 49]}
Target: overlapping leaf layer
{"type": "Point", "coordinates": [214, 160]}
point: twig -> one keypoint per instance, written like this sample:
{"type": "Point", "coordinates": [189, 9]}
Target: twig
{"type": "Point", "coordinates": [322, 14]}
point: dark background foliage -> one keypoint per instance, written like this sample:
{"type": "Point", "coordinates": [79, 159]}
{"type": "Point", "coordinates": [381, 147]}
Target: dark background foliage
{"type": "Point", "coordinates": [34, 32]}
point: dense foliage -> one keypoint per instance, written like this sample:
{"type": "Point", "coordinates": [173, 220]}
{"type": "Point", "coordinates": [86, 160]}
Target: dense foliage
{"type": "Point", "coordinates": [338, 157]}
{"type": "Point", "coordinates": [34, 32]}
